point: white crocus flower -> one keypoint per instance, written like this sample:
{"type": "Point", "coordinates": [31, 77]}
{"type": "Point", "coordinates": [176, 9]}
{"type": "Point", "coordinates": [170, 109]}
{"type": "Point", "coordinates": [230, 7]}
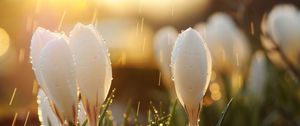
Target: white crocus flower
{"type": "Point", "coordinates": [191, 67]}
{"type": "Point", "coordinates": [284, 27]}
{"type": "Point", "coordinates": [46, 114]}
{"type": "Point", "coordinates": [56, 69]}
{"type": "Point", "coordinates": [258, 75]}
{"type": "Point", "coordinates": [164, 41]}
{"type": "Point", "coordinates": [93, 68]}
{"type": "Point", "coordinates": [228, 45]}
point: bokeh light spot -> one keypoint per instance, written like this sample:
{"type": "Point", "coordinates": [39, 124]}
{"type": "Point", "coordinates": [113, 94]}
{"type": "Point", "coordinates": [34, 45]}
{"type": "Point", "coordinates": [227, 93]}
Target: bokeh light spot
{"type": "Point", "coordinates": [4, 41]}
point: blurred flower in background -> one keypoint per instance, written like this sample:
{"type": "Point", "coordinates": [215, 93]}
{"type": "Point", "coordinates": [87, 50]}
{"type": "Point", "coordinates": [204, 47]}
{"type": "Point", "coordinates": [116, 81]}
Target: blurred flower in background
{"type": "Point", "coordinates": [129, 41]}
{"type": "Point", "coordinates": [284, 28]}
{"type": "Point", "coordinates": [258, 76]}
{"type": "Point", "coordinates": [229, 47]}
{"type": "Point", "coordinates": [164, 41]}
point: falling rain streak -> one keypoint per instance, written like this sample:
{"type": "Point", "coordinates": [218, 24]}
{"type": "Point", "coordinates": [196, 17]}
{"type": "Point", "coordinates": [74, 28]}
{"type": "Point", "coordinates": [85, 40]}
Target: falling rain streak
{"type": "Point", "coordinates": [140, 6]}
{"type": "Point", "coordinates": [144, 44]}
{"type": "Point", "coordinates": [15, 119]}
{"type": "Point", "coordinates": [38, 6]}
{"type": "Point", "coordinates": [159, 79]}
{"type": "Point", "coordinates": [172, 8]}
{"type": "Point", "coordinates": [35, 87]}
{"type": "Point", "coordinates": [21, 55]}
{"type": "Point", "coordinates": [142, 24]}
{"type": "Point", "coordinates": [94, 19]}
{"type": "Point", "coordinates": [252, 27]}
{"type": "Point", "coordinates": [237, 59]}
{"type": "Point", "coordinates": [137, 28]}
{"type": "Point", "coordinates": [27, 116]}
{"type": "Point", "coordinates": [61, 21]}
{"type": "Point", "coordinates": [160, 56]}
{"type": "Point", "coordinates": [138, 109]}
{"type": "Point", "coordinates": [12, 97]}
{"type": "Point", "coordinates": [29, 23]}
{"type": "Point", "coordinates": [123, 59]}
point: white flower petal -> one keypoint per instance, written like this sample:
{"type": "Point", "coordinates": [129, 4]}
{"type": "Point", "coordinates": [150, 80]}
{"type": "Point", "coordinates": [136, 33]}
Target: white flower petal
{"type": "Point", "coordinates": [46, 115]}
{"type": "Point", "coordinates": [39, 39]}
{"type": "Point", "coordinates": [57, 70]}
{"type": "Point", "coordinates": [93, 67]}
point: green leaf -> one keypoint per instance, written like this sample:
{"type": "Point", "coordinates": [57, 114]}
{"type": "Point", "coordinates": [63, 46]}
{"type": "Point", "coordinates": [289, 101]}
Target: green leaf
{"type": "Point", "coordinates": [172, 113]}
{"type": "Point", "coordinates": [136, 123]}
{"type": "Point", "coordinates": [84, 123]}
{"type": "Point", "coordinates": [49, 122]}
{"type": "Point", "coordinates": [127, 113]}
{"type": "Point", "coordinates": [107, 103]}
{"type": "Point", "coordinates": [224, 113]}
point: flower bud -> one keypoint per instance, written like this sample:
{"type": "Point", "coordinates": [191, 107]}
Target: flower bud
{"type": "Point", "coordinates": [191, 67]}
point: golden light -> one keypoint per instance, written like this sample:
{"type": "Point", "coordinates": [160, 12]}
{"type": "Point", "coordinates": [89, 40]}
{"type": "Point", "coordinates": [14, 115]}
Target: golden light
{"type": "Point", "coordinates": [8, 55]}
{"type": "Point", "coordinates": [236, 82]}
{"type": "Point", "coordinates": [128, 44]}
{"type": "Point", "coordinates": [4, 42]}
{"type": "Point", "coordinates": [73, 4]}
{"type": "Point", "coordinates": [213, 76]}
{"type": "Point", "coordinates": [21, 55]}
{"type": "Point", "coordinates": [9, 62]}
{"type": "Point", "coordinates": [156, 10]}
{"type": "Point", "coordinates": [273, 55]}
{"type": "Point", "coordinates": [114, 2]}
{"type": "Point", "coordinates": [216, 96]}
{"type": "Point", "coordinates": [214, 89]}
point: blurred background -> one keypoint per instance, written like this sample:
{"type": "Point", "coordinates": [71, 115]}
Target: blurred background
{"type": "Point", "coordinates": [129, 28]}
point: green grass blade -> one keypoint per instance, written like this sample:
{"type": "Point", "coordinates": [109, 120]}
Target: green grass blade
{"type": "Point", "coordinates": [224, 113]}
{"type": "Point", "coordinates": [172, 113]}
{"type": "Point", "coordinates": [127, 114]}
{"type": "Point", "coordinates": [136, 122]}
{"type": "Point", "coordinates": [108, 102]}
{"type": "Point", "coordinates": [84, 123]}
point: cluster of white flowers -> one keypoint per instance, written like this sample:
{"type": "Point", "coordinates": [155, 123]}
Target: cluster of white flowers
{"type": "Point", "coordinates": [65, 66]}
{"type": "Point", "coordinates": [230, 51]}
